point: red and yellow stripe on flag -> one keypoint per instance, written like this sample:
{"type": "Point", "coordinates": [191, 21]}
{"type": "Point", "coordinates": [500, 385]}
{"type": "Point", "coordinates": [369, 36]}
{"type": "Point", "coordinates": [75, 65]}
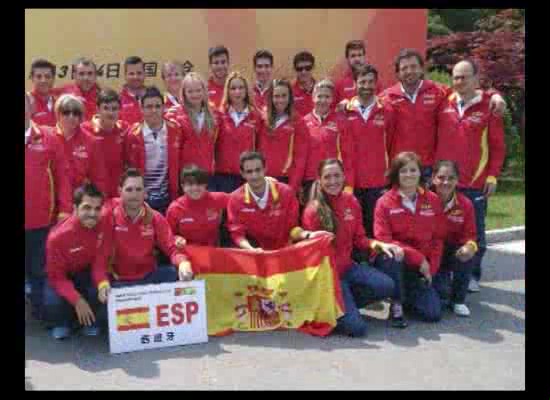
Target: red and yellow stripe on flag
{"type": "Point", "coordinates": [292, 288]}
{"type": "Point", "coordinates": [132, 318]}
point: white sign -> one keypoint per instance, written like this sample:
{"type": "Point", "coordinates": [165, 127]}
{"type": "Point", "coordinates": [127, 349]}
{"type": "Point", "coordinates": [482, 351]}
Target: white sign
{"type": "Point", "coordinates": [153, 316]}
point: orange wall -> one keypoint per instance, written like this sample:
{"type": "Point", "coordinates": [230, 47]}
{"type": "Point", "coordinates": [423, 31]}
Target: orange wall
{"type": "Point", "coordinates": [108, 36]}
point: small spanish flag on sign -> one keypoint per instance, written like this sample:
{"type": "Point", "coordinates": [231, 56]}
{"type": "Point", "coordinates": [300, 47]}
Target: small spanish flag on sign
{"type": "Point", "coordinates": [132, 318]}
{"type": "Point", "coordinates": [182, 291]}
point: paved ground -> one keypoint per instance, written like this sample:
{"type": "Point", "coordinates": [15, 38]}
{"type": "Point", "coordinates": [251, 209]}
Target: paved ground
{"type": "Point", "coordinates": [486, 351]}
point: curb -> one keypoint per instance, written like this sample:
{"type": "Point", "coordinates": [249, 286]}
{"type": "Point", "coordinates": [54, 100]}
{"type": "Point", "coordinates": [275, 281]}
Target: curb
{"type": "Point", "coordinates": [505, 235]}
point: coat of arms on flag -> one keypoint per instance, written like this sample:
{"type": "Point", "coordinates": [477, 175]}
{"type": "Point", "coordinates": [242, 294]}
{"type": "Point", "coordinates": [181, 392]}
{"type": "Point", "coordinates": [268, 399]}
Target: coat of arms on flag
{"type": "Point", "coordinates": [259, 309]}
{"type": "Point", "coordinates": [132, 319]}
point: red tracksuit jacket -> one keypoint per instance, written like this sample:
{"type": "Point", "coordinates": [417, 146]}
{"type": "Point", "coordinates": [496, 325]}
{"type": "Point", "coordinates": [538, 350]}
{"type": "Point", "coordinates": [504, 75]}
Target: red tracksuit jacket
{"type": "Point", "coordinates": [261, 99]}
{"type": "Point", "coordinates": [303, 100]}
{"type": "Point", "coordinates": [88, 98]}
{"type": "Point", "coordinates": [271, 226]}
{"type": "Point", "coordinates": [72, 248]}
{"type": "Point", "coordinates": [350, 232]}
{"type": "Point", "coordinates": [416, 126]}
{"type": "Point", "coordinates": [371, 141]}
{"type": "Point", "coordinates": [461, 222]}
{"type": "Point", "coordinates": [44, 113]}
{"type": "Point", "coordinates": [475, 141]}
{"type": "Point", "coordinates": [111, 145]}
{"type": "Point", "coordinates": [345, 88]}
{"type": "Point", "coordinates": [47, 184]}
{"type": "Point", "coordinates": [130, 111]}
{"type": "Point", "coordinates": [286, 149]}
{"type": "Point", "coordinates": [233, 140]}
{"type": "Point", "coordinates": [133, 242]}
{"type": "Point", "coordinates": [198, 221]}
{"type": "Point", "coordinates": [134, 152]}
{"type": "Point", "coordinates": [419, 234]}
{"type": "Point", "coordinates": [331, 138]}
{"type": "Point", "coordinates": [85, 160]}
{"type": "Point", "coordinates": [197, 148]}
{"type": "Point", "coordinates": [215, 93]}
{"type": "Point", "coordinates": [169, 101]}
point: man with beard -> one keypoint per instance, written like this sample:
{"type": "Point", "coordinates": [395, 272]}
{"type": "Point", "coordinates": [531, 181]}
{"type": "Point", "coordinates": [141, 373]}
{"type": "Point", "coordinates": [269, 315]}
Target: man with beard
{"type": "Point", "coordinates": [74, 270]}
{"type": "Point", "coordinates": [85, 85]}
{"type": "Point", "coordinates": [218, 58]}
{"type": "Point", "coordinates": [133, 89]}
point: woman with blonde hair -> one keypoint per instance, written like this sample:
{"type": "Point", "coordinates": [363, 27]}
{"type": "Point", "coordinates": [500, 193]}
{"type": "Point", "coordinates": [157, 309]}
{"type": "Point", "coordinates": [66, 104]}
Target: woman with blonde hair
{"type": "Point", "coordinates": [199, 124]}
{"type": "Point", "coordinates": [240, 124]}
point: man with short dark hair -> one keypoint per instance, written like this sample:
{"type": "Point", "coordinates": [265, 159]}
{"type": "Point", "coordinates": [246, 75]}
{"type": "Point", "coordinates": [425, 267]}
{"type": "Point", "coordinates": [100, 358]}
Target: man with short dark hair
{"type": "Point", "coordinates": [263, 213]}
{"type": "Point", "coordinates": [133, 89]}
{"type": "Point", "coordinates": [74, 266]}
{"type": "Point", "coordinates": [302, 89]}
{"type": "Point", "coordinates": [42, 94]}
{"type": "Point", "coordinates": [263, 70]}
{"type": "Point", "coordinates": [85, 85]}
{"type": "Point", "coordinates": [154, 148]}
{"type": "Point", "coordinates": [218, 60]}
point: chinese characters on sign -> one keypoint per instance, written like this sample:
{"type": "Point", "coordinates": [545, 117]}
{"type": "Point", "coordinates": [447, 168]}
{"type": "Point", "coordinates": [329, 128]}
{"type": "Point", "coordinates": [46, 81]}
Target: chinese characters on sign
{"type": "Point", "coordinates": [113, 70]}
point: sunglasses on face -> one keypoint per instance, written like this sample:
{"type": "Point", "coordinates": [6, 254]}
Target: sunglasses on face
{"type": "Point", "coordinates": [76, 113]}
{"type": "Point", "coordinates": [304, 68]}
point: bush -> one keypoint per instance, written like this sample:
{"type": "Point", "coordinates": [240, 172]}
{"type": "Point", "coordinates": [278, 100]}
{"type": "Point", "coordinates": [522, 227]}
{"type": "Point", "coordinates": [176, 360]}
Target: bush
{"type": "Point", "coordinates": [440, 77]}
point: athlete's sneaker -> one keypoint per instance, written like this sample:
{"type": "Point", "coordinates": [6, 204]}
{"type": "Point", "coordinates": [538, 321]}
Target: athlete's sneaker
{"type": "Point", "coordinates": [396, 317]}
{"type": "Point", "coordinates": [92, 330]}
{"type": "Point", "coordinates": [60, 332]}
{"type": "Point", "coordinates": [473, 286]}
{"type": "Point", "coordinates": [461, 310]}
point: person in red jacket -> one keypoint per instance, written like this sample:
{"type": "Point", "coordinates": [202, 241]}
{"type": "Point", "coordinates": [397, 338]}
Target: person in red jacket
{"type": "Point", "coordinates": [240, 123]}
{"type": "Point", "coordinates": [263, 213]}
{"type": "Point", "coordinates": [302, 89]}
{"type": "Point", "coordinates": [218, 60]}
{"type": "Point", "coordinates": [195, 217]}
{"type": "Point", "coordinates": [329, 137]}
{"type": "Point", "coordinates": [472, 136]}
{"type": "Point", "coordinates": [47, 200]}
{"type": "Point", "coordinates": [457, 263]}
{"type": "Point", "coordinates": [284, 138]}
{"type": "Point", "coordinates": [372, 125]}
{"type": "Point", "coordinates": [133, 89]}
{"type": "Point", "coordinates": [417, 102]}
{"type": "Point", "coordinates": [172, 73]}
{"type": "Point", "coordinates": [134, 230]}
{"type": "Point", "coordinates": [75, 273]}
{"type": "Point", "coordinates": [199, 124]}
{"type": "Point", "coordinates": [154, 148]}
{"type": "Point", "coordinates": [356, 56]}
{"type": "Point", "coordinates": [85, 85]}
{"type": "Point", "coordinates": [335, 211]}
{"type": "Point", "coordinates": [108, 132]}
{"type": "Point", "coordinates": [42, 94]}
{"type": "Point", "coordinates": [263, 70]}
{"type": "Point", "coordinates": [410, 217]}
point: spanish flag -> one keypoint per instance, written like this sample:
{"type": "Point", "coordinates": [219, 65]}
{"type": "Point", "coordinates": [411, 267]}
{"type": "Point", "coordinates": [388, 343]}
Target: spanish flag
{"type": "Point", "coordinates": [132, 319]}
{"type": "Point", "coordinates": [293, 288]}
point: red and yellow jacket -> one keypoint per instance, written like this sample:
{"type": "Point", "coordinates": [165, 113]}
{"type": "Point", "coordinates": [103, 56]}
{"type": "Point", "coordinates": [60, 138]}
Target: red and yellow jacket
{"type": "Point", "coordinates": [169, 101]}
{"type": "Point", "coordinates": [111, 145]}
{"type": "Point", "coordinates": [88, 98]}
{"type": "Point", "coordinates": [234, 140]}
{"type": "Point", "coordinates": [419, 234]}
{"type": "Point", "coordinates": [198, 221]}
{"type": "Point", "coordinates": [303, 100]}
{"type": "Point", "coordinates": [416, 125]}
{"type": "Point", "coordinates": [461, 223]}
{"type": "Point", "coordinates": [261, 99]}
{"type": "Point", "coordinates": [371, 142]}
{"type": "Point", "coordinates": [215, 93]}
{"type": "Point", "coordinates": [197, 148]}
{"type": "Point", "coordinates": [72, 248]}
{"type": "Point", "coordinates": [43, 108]}
{"type": "Point", "coordinates": [331, 138]}
{"type": "Point", "coordinates": [286, 149]}
{"type": "Point", "coordinates": [130, 110]}
{"type": "Point", "coordinates": [350, 232]}
{"type": "Point", "coordinates": [47, 184]}
{"type": "Point", "coordinates": [475, 141]}
{"type": "Point", "coordinates": [133, 242]}
{"type": "Point", "coordinates": [134, 152]}
{"type": "Point", "coordinates": [271, 227]}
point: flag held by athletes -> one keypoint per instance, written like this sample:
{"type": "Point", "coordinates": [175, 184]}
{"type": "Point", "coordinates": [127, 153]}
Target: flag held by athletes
{"type": "Point", "coordinates": [292, 288]}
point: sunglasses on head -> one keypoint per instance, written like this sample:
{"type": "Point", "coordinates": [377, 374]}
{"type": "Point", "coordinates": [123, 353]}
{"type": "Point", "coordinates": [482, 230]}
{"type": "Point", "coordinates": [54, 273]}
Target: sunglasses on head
{"type": "Point", "coordinates": [305, 68]}
{"type": "Point", "coordinates": [76, 113]}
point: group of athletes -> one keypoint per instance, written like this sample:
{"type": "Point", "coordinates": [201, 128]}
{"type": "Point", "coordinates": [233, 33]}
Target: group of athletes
{"type": "Point", "coordinates": [118, 184]}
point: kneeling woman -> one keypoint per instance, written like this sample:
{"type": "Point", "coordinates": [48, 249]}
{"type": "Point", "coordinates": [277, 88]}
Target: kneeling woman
{"type": "Point", "coordinates": [460, 239]}
{"type": "Point", "coordinates": [195, 217]}
{"type": "Point", "coordinates": [338, 212]}
{"type": "Point", "coordinates": [411, 217]}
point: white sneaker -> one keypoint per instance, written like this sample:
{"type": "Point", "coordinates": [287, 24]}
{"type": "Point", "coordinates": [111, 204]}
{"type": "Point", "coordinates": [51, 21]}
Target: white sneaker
{"type": "Point", "coordinates": [473, 286]}
{"type": "Point", "coordinates": [461, 310]}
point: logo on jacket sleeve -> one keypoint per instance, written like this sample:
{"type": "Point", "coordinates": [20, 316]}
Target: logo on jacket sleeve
{"type": "Point", "coordinates": [348, 215]}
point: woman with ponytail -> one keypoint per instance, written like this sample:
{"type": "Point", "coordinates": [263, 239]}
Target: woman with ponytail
{"type": "Point", "coordinates": [333, 210]}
